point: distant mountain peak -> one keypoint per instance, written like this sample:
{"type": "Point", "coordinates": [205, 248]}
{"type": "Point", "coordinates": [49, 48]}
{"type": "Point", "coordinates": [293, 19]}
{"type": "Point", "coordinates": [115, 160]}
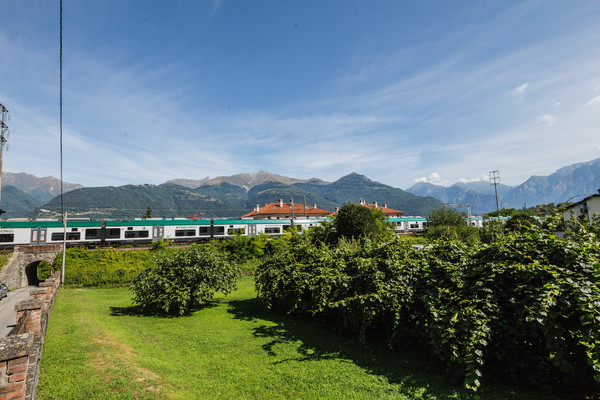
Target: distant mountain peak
{"type": "Point", "coordinates": [353, 176]}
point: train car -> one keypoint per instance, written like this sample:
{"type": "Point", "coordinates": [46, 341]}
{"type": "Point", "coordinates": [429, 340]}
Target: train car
{"type": "Point", "coordinates": [404, 225]}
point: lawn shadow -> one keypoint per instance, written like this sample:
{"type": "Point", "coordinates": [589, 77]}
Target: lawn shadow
{"type": "Point", "coordinates": [315, 340]}
{"type": "Point", "coordinates": [139, 311]}
{"type": "Point", "coordinates": [410, 366]}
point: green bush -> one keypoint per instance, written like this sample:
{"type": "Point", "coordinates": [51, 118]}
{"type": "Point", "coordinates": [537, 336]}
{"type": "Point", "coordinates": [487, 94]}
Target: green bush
{"type": "Point", "coordinates": [183, 279]}
{"type": "Point", "coordinates": [44, 270]}
{"type": "Point", "coordinates": [103, 267]}
{"type": "Point", "coordinates": [528, 303]}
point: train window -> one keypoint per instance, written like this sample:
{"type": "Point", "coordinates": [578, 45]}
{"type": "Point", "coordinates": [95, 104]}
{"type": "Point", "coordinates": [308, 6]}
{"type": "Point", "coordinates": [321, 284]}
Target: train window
{"type": "Point", "coordinates": [114, 233]}
{"type": "Point", "coordinates": [272, 230]}
{"type": "Point", "coordinates": [7, 237]}
{"type": "Point", "coordinates": [219, 230]}
{"type": "Point", "coordinates": [185, 232]}
{"type": "Point", "coordinates": [414, 226]}
{"type": "Point", "coordinates": [70, 236]}
{"type": "Point", "coordinates": [92, 234]}
{"type": "Point", "coordinates": [203, 230]}
{"type": "Point", "coordinates": [136, 234]}
{"type": "Point", "coordinates": [236, 231]}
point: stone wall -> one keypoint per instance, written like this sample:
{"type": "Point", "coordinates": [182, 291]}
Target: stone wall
{"type": "Point", "coordinates": [14, 274]}
{"type": "Point", "coordinates": [21, 351]}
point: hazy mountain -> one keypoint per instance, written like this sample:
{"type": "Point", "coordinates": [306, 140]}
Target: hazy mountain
{"type": "Point", "coordinates": [131, 201]}
{"type": "Point", "coordinates": [479, 195]}
{"type": "Point", "coordinates": [572, 180]}
{"type": "Point", "coordinates": [354, 187]}
{"type": "Point", "coordinates": [42, 189]}
{"type": "Point", "coordinates": [224, 191]}
{"type": "Point", "coordinates": [17, 203]}
{"type": "Point", "coordinates": [245, 181]}
{"type": "Point", "coordinates": [189, 183]}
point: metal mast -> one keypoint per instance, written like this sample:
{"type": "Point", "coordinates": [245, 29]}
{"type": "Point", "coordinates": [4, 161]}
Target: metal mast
{"type": "Point", "coordinates": [3, 139]}
{"type": "Point", "coordinates": [495, 180]}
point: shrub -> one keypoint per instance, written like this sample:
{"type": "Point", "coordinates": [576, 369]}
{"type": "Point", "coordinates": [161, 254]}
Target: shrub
{"type": "Point", "coordinates": [183, 279]}
{"type": "Point", "coordinates": [104, 267]}
{"type": "Point", "coordinates": [528, 303]}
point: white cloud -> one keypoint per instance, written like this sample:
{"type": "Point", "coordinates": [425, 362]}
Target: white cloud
{"type": "Point", "coordinates": [594, 101]}
{"type": "Point", "coordinates": [434, 178]}
{"type": "Point", "coordinates": [548, 119]}
{"type": "Point", "coordinates": [481, 178]}
{"type": "Point", "coordinates": [521, 89]}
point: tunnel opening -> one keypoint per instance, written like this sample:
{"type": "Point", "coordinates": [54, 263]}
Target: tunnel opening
{"type": "Point", "coordinates": [31, 272]}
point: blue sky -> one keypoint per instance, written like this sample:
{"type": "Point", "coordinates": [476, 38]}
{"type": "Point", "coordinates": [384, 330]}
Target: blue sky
{"type": "Point", "coordinates": [400, 91]}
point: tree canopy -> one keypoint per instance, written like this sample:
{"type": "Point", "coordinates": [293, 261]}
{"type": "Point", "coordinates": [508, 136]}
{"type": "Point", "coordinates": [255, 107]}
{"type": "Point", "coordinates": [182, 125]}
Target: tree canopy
{"type": "Point", "coordinates": [357, 221]}
{"type": "Point", "coordinates": [183, 279]}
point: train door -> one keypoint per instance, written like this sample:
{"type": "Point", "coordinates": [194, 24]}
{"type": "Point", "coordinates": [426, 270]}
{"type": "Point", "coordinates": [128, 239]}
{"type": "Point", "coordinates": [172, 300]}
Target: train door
{"type": "Point", "coordinates": [38, 235]}
{"type": "Point", "coordinates": [252, 230]}
{"type": "Point", "coordinates": [158, 232]}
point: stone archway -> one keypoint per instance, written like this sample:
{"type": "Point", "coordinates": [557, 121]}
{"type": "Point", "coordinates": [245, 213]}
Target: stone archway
{"type": "Point", "coordinates": [21, 269]}
{"type": "Point", "coordinates": [31, 272]}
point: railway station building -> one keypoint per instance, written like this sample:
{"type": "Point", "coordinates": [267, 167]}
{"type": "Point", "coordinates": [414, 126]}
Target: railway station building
{"type": "Point", "coordinates": [281, 210]}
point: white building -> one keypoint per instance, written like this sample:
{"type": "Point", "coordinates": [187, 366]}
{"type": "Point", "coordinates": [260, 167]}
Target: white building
{"type": "Point", "coordinates": [585, 208]}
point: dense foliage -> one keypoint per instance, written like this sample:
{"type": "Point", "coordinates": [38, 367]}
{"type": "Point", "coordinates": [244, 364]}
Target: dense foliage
{"type": "Point", "coordinates": [448, 225]}
{"type": "Point", "coordinates": [357, 221]}
{"type": "Point", "coordinates": [528, 304]}
{"type": "Point", "coordinates": [102, 267]}
{"type": "Point", "coordinates": [183, 279]}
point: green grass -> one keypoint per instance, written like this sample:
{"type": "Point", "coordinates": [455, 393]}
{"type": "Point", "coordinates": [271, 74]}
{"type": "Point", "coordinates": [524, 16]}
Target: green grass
{"type": "Point", "coordinates": [98, 347]}
{"type": "Point", "coordinates": [4, 257]}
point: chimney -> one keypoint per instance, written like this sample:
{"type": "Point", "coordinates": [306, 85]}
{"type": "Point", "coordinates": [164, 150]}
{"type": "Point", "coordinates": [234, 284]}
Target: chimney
{"type": "Point", "coordinates": [315, 205]}
{"type": "Point", "coordinates": [337, 209]}
{"type": "Point", "coordinates": [362, 202]}
{"type": "Point", "coordinates": [257, 208]}
{"type": "Point", "coordinates": [384, 205]}
{"type": "Point", "coordinates": [375, 203]}
{"type": "Point", "coordinates": [281, 203]}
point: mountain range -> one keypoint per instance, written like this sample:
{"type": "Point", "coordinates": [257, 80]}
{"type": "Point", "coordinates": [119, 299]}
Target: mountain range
{"type": "Point", "coordinates": [25, 195]}
{"type": "Point", "coordinates": [568, 183]}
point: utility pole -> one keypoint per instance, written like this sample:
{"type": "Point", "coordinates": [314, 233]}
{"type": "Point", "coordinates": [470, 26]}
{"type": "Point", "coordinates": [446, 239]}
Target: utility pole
{"type": "Point", "coordinates": [495, 180]}
{"type": "Point", "coordinates": [3, 139]}
{"type": "Point", "coordinates": [292, 203]}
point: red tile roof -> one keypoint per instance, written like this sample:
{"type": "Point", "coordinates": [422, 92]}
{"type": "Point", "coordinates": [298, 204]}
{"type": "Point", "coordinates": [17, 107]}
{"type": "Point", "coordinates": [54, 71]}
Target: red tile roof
{"type": "Point", "coordinates": [284, 210]}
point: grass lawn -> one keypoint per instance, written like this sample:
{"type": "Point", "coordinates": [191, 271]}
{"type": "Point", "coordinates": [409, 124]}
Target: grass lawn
{"type": "Point", "coordinates": [97, 347]}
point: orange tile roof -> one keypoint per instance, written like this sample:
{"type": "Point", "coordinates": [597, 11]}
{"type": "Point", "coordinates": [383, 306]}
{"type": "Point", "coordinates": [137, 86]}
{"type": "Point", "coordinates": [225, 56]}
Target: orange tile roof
{"type": "Point", "coordinates": [385, 209]}
{"type": "Point", "coordinates": [281, 209]}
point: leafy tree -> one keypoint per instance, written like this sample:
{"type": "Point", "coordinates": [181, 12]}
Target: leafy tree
{"type": "Point", "coordinates": [183, 279]}
{"type": "Point", "coordinates": [448, 225]}
{"type": "Point", "coordinates": [446, 217]}
{"type": "Point", "coordinates": [148, 213]}
{"type": "Point", "coordinates": [357, 221]}
{"type": "Point", "coordinates": [491, 231]}
{"type": "Point", "coordinates": [520, 220]}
